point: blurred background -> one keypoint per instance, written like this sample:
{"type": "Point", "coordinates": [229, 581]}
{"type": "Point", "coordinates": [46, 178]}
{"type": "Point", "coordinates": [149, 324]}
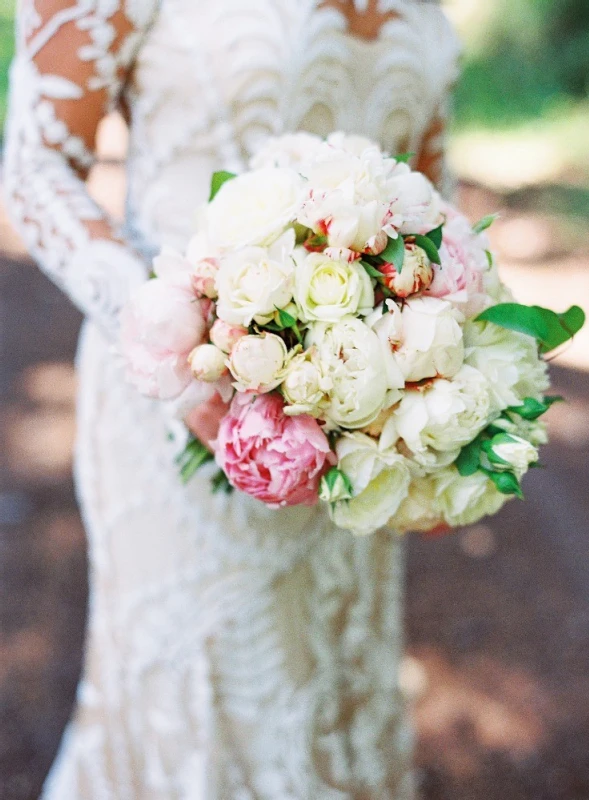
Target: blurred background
{"type": "Point", "coordinates": [498, 614]}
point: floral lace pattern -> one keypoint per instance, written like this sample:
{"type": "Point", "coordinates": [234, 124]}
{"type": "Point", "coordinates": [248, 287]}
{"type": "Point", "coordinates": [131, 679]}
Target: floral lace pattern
{"type": "Point", "coordinates": [233, 652]}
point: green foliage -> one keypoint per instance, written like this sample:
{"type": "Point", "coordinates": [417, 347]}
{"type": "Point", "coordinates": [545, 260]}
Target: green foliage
{"type": "Point", "coordinates": [394, 252]}
{"type": "Point", "coordinates": [218, 179]}
{"type": "Point", "coordinates": [549, 328]}
{"type": "Point", "coordinates": [484, 223]}
{"type": "Point", "coordinates": [194, 455]}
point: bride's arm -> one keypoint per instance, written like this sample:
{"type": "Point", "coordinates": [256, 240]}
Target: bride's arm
{"type": "Point", "coordinates": [72, 60]}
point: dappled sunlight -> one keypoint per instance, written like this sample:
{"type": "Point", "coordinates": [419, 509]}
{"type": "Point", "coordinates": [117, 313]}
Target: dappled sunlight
{"type": "Point", "coordinates": [500, 707]}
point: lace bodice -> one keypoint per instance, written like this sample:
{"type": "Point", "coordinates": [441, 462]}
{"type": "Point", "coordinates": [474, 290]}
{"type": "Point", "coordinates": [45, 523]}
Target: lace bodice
{"type": "Point", "coordinates": [204, 83]}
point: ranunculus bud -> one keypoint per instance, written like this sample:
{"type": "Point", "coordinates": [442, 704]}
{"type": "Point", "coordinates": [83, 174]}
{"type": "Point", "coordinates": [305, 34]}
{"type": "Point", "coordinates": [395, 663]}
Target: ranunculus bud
{"type": "Point", "coordinates": [207, 363]}
{"type": "Point", "coordinates": [203, 278]}
{"type": "Point", "coordinates": [416, 275]}
{"type": "Point", "coordinates": [376, 244]}
{"type": "Point", "coordinates": [257, 362]}
{"type": "Point", "coordinates": [225, 336]}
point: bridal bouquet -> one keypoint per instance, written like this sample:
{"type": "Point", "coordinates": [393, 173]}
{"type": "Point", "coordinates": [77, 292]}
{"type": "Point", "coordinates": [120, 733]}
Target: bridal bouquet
{"type": "Point", "coordinates": [356, 326]}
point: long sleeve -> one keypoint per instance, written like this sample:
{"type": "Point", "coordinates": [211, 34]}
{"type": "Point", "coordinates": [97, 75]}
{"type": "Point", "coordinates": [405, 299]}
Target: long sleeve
{"type": "Point", "coordinates": [72, 60]}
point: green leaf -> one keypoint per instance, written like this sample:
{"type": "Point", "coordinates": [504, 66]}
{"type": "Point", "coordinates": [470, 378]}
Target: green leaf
{"type": "Point", "coordinates": [549, 328]}
{"type": "Point", "coordinates": [220, 483]}
{"type": "Point", "coordinates": [436, 235]}
{"type": "Point", "coordinates": [506, 483]}
{"type": "Point", "coordinates": [218, 179]}
{"type": "Point", "coordinates": [531, 408]}
{"type": "Point", "coordinates": [469, 460]}
{"type": "Point", "coordinates": [485, 223]}
{"type": "Point", "coordinates": [404, 158]}
{"type": "Point", "coordinates": [430, 248]}
{"type": "Point", "coordinates": [372, 271]}
{"type": "Point", "coordinates": [490, 259]}
{"type": "Point", "coordinates": [394, 253]}
{"type": "Point", "coordinates": [315, 243]}
{"type": "Point", "coordinates": [194, 455]}
{"type": "Point", "coordinates": [286, 320]}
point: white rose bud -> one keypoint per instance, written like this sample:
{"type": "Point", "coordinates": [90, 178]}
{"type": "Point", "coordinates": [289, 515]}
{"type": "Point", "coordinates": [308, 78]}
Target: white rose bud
{"type": "Point", "coordinates": [257, 362]}
{"type": "Point", "coordinates": [335, 486]}
{"type": "Point", "coordinates": [464, 500]}
{"type": "Point", "coordinates": [509, 452]}
{"type": "Point", "coordinates": [327, 289]}
{"type": "Point", "coordinates": [225, 336]}
{"type": "Point", "coordinates": [207, 363]}
{"type": "Point", "coordinates": [305, 388]}
{"type": "Point", "coordinates": [416, 274]}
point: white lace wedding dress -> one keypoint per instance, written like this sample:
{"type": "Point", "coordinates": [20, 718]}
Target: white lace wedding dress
{"type": "Point", "coordinates": [233, 652]}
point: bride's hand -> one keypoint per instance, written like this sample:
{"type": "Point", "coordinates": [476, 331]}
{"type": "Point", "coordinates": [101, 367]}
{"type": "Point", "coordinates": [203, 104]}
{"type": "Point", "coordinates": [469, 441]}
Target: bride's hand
{"type": "Point", "coordinates": [204, 420]}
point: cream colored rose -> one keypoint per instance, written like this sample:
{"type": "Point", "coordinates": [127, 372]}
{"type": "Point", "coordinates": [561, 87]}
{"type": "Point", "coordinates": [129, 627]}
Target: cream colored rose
{"type": "Point", "coordinates": [446, 415]}
{"type": "Point", "coordinates": [257, 362]}
{"type": "Point", "coordinates": [351, 357]}
{"type": "Point", "coordinates": [327, 290]}
{"type": "Point", "coordinates": [305, 388]}
{"type": "Point", "coordinates": [509, 360]}
{"type": "Point", "coordinates": [513, 453]}
{"type": "Point", "coordinates": [207, 363]}
{"type": "Point", "coordinates": [420, 510]}
{"type": "Point", "coordinates": [431, 344]}
{"type": "Point", "coordinates": [380, 482]}
{"type": "Point", "coordinates": [464, 501]}
{"type": "Point", "coordinates": [253, 282]}
{"type": "Point", "coordinates": [253, 208]}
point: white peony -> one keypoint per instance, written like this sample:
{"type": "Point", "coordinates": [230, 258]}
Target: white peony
{"type": "Point", "coordinates": [386, 322]}
{"type": "Point", "coordinates": [328, 289]}
{"type": "Point", "coordinates": [253, 208]}
{"type": "Point", "coordinates": [207, 363]}
{"type": "Point", "coordinates": [225, 336]}
{"type": "Point", "coordinates": [446, 415]}
{"type": "Point", "coordinates": [305, 387]}
{"type": "Point", "coordinates": [380, 482]}
{"type": "Point", "coordinates": [351, 356]}
{"type": "Point", "coordinates": [205, 265]}
{"type": "Point", "coordinates": [257, 362]}
{"type": "Point", "coordinates": [254, 281]}
{"type": "Point", "coordinates": [463, 501]}
{"type": "Point", "coordinates": [431, 345]}
{"type": "Point", "coordinates": [291, 150]}
{"type": "Point", "coordinates": [509, 360]}
{"type": "Point", "coordinates": [415, 206]}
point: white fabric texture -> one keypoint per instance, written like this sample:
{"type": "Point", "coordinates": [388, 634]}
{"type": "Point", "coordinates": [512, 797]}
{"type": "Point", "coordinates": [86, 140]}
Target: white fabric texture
{"type": "Point", "coordinates": [234, 653]}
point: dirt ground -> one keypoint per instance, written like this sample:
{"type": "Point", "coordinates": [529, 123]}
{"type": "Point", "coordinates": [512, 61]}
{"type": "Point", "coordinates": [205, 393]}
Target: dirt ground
{"type": "Point", "coordinates": [497, 614]}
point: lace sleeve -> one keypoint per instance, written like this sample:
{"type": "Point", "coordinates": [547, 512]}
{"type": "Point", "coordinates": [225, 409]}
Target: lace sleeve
{"type": "Point", "coordinates": [72, 59]}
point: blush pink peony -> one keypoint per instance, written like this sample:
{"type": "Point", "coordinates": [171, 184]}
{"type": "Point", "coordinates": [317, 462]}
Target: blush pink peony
{"type": "Point", "coordinates": [460, 276]}
{"type": "Point", "coordinates": [159, 328]}
{"type": "Point", "coordinates": [276, 459]}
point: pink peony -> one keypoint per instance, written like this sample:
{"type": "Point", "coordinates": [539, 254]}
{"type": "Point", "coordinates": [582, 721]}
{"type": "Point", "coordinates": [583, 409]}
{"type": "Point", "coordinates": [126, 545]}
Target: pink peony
{"type": "Point", "coordinates": [460, 276]}
{"type": "Point", "coordinates": [159, 327]}
{"type": "Point", "coordinates": [276, 459]}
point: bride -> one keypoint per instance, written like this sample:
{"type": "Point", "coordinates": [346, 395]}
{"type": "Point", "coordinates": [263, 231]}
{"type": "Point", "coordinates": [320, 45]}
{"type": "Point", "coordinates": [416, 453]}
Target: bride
{"type": "Point", "coordinates": [233, 652]}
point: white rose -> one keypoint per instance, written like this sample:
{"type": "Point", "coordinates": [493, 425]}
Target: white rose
{"type": "Point", "coordinates": [327, 289]}
{"type": "Point", "coordinates": [509, 360]}
{"type": "Point", "coordinates": [253, 282]}
{"type": "Point", "coordinates": [463, 501]}
{"type": "Point", "coordinates": [304, 387]}
{"type": "Point", "coordinates": [225, 336]}
{"type": "Point", "coordinates": [380, 482]}
{"type": "Point", "coordinates": [431, 344]}
{"type": "Point", "coordinates": [253, 208]}
{"type": "Point", "coordinates": [420, 510]}
{"type": "Point", "coordinates": [351, 356]}
{"type": "Point", "coordinates": [257, 362]}
{"type": "Point", "coordinates": [446, 415]}
{"type": "Point", "coordinates": [207, 363]}
{"type": "Point", "coordinates": [509, 452]}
